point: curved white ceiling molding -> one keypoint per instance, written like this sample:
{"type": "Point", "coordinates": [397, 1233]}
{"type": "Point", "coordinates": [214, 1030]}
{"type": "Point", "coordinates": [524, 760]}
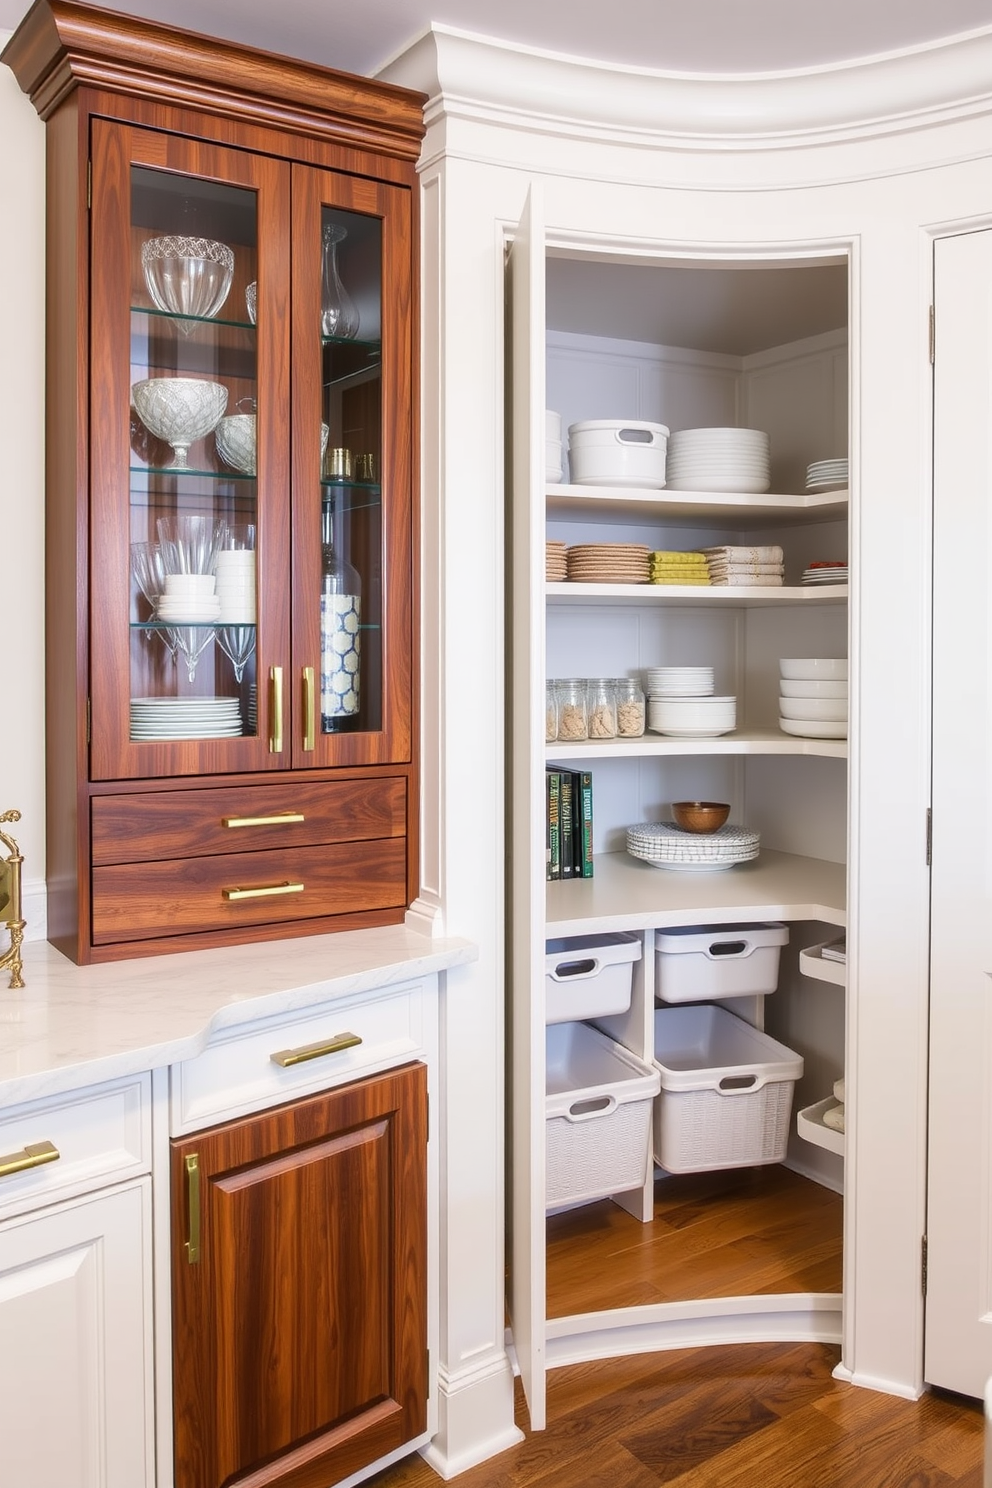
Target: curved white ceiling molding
{"type": "Point", "coordinates": [482, 78]}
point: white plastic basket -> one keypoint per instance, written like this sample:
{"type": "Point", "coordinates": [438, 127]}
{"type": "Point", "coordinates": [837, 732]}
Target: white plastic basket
{"type": "Point", "coordinates": [697, 962]}
{"type": "Point", "coordinates": [726, 1091]}
{"type": "Point", "coordinates": [598, 1115]}
{"type": "Point", "coordinates": [589, 976]}
{"type": "Point", "coordinates": [618, 452]}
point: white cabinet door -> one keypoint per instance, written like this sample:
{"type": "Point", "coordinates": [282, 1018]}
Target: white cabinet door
{"type": "Point", "coordinates": [527, 690]}
{"type": "Point", "coordinates": [75, 1344]}
{"type": "Point", "coordinates": [958, 1352]}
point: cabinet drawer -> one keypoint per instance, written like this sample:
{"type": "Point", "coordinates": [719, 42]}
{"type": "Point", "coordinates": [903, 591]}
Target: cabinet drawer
{"type": "Point", "coordinates": [102, 1135]}
{"type": "Point", "coordinates": [159, 825]}
{"type": "Point", "coordinates": [139, 901]}
{"type": "Point", "coordinates": [239, 1073]}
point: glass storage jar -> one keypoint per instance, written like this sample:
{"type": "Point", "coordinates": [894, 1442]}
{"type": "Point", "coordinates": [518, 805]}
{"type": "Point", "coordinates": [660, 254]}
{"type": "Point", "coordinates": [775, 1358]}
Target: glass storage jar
{"type": "Point", "coordinates": [573, 718]}
{"type": "Point", "coordinates": [602, 705]}
{"type": "Point", "coordinates": [630, 707]}
{"type": "Point", "coordinates": [551, 712]}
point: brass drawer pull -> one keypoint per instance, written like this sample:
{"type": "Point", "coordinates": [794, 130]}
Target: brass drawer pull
{"type": "Point", "coordinates": [34, 1155]}
{"type": "Point", "coordinates": [278, 819]}
{"type": "Point", "coordinates": [264, 891]}
{"type": "Point", "coordinates": [275, 710]}
{"type": "Point", "coordinates": [193, 1204]}
{"type": "Point", "coordinates": [288, 1057]}
{"type": "Point", "coordinates": [309, 709]}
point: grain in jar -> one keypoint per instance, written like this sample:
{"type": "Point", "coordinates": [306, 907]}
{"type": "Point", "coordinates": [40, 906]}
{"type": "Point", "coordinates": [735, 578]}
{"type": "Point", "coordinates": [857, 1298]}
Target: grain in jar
{"type": "Point", "coordinates": [573, 719]}
{"type": "Point", "coordinates": [602, 706]}
{"type": "Point", "coordinates": [551, 712]}
{"type": "Point", "coordinates": [630, 707]}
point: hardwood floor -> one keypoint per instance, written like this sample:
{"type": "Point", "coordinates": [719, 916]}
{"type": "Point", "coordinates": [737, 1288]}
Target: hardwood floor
{"type": "Point", "coordinates": [747, 1416]}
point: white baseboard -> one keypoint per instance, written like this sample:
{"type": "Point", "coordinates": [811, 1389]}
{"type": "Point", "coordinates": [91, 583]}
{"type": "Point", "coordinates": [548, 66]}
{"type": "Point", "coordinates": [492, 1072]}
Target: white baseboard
{"type": "Point", "coordinates": [475, 1419]}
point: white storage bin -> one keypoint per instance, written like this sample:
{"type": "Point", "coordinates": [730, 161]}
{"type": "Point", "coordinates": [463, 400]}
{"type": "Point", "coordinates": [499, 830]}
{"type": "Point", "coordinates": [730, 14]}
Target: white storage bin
{"type": "Point", "coordinates": [694, 963]}
{"type": "Point", "coordinates": [617, 452]}
{"type": "Point", "coordinates": [589, 976]}
{"type": "Point", "coordinates": [598, 1115]}
{"type": "Point", "coordinates": [726, 1091]}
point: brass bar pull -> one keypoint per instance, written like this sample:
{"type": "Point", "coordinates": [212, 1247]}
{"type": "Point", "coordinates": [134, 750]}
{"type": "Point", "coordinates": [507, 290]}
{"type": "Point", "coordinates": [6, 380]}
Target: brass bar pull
{"type": "Point", "coordinates": [279, 819]}
{"type": "Point", "coordinates": [193, 1204]}
{"type": "Point", "coordinates": [289, 1057]}
{"type": "Point", "coordinates": [275, 710]}
{"type": "Point", "coordinates": [264, 891]}
{"type": "Point", "coordinates": [309, 709]}
{"type": "Point", "coordinates": [34, 1155]}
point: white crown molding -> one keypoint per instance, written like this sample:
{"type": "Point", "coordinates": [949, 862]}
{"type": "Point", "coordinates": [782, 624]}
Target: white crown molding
{"type": "Point", "coordinates": [491, 81]}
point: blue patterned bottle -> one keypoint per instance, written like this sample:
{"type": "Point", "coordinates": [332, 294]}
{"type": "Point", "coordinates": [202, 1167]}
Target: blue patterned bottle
{"type": "Point", "coordinates": [340, 635]}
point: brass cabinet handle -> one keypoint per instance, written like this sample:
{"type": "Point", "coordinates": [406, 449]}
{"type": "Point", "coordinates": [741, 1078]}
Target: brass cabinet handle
{"type": "Point", "coordinates": [34, 1155]}
{"type": "Point", "coordinates": [275, 710]}
{"type": "Point", "coordinates": [264, 891]}
{"type": "Point", "coordinates": [193, 1205]}
{"type": "Point", "coordinates": [288, 1057]}
{"type": "Point", "coordinates": [278, 819]}
{"type": "Point", "coordinates": [309, 709]}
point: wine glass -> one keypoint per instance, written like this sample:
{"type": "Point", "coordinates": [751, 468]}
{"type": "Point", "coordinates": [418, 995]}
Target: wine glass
{"type": "Point", "coordinates": [237, 643]}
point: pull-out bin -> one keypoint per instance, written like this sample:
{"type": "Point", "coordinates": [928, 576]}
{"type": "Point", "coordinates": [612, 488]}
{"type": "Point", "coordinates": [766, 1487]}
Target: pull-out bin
{"type": "Point", "coordinates": [726, 1091]}
{"type": "Point", "coordinates": [694, 963]}
{"type": "Point", "coordinates": [589, 976]}
{"type": "Point", "coordinates": [598, 1115]}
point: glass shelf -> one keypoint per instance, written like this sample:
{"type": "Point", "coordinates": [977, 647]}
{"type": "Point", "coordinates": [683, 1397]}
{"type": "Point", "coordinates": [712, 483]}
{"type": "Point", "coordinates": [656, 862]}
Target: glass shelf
{"type": "Point", "coordinates": [171, 472]}
{"type": "Point", "coordinates": [161, 625]}
{"type": "Point", "coordinates": [192, 320]}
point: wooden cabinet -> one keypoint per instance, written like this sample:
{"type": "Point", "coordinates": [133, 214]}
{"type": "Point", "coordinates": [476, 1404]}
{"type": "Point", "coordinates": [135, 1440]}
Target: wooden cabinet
{"type": "Point", "coordinates": [76, 1389]}
{"type": "Point", "coordinates": [299, 1276]}
{"type": "Point", "coordinates": [231, 576]}
{"type": "Point", "coordinates": [792, 789]}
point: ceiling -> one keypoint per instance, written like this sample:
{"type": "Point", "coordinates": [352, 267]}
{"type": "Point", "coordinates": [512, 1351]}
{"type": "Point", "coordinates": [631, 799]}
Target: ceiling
{"type": "Point", "coordinates": [698, 36]}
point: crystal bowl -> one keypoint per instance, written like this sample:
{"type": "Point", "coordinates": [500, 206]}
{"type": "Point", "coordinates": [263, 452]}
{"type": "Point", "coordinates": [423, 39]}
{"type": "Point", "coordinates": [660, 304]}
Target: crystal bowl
{"type": "Point", "coordinates": [179, 410]}
{"type": "Point", "coordinates": [187, 276]}
{"type": "Point", "coordinates": [235, 436]}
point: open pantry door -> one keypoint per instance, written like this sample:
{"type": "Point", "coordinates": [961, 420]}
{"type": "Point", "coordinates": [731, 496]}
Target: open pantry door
{"type": "Point", "coordinates": [958, 1353]}
{"type": "Point", "coordinates": [525, 288]}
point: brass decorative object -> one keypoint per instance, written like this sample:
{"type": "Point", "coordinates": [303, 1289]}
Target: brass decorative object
{"type": "Point", "coordinates": [10, 902]}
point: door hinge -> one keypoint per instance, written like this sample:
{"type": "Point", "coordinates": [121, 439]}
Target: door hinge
{"type": "Point", "coordinates": [89, 185]}
{"type": "Point", "coordinates": [929, 835]}
{"type": "Point", "coordinates": [932, 335]}
{"type": "Point", "coordinates": [923, 1264]}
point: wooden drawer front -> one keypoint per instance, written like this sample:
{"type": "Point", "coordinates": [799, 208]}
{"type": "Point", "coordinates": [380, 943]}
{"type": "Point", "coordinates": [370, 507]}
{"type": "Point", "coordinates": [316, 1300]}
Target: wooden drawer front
{"type": "Point", "coordinates": [159, 825]}
{"type": "Point", "coordinates": [102, 1135]}
{"type": "Point", "coordinates": [237, 1074]}
{"type": "Point", "coordinates": [140, 901]}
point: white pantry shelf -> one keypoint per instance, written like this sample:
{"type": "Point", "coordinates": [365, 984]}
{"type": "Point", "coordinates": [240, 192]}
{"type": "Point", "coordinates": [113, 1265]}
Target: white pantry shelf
{"type": "Point", "coordinates": [734, 508]}
{"type": "Point", "coordinates": [747, 596]}
{"type": "Point", "coordinates": [740, 741]}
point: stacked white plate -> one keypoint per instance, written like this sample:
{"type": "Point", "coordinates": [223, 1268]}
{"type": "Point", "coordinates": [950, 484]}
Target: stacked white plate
{"type": "Point", "coordinates": [664, 845]}
{"type": "Point", "coordinates": [825, 573]}
{"type": "Point", "coordinates": [185, 718]}
{"type": "Point", "coordinates": [188, 599]}
{"type": "Point", "coordinates": [822, 475]}
{"type": "Point", "coordinates": [718, 460]}
{"type": "Point", "coordinates": [689, 681]}
{"type": "Point", "coordinates": [812, 700]}
{"type": "Point", "coordinates": [692, 717]}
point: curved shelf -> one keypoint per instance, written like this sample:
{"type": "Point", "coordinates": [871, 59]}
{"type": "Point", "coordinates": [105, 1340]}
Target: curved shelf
{"type": "Point", "coordinates": [809, 1124]}
{"type": "Point", "coordinates": [743, 741]}
{"type": "Point", "coordinates": [616, 503]}
{"type": "Point", "coordinates": [625, 893]}
{"type": "Point", "coordinates": [696, 594]}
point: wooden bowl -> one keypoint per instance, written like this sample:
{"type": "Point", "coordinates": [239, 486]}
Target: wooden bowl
{"type": "Point", "coordinates": [700, 816]}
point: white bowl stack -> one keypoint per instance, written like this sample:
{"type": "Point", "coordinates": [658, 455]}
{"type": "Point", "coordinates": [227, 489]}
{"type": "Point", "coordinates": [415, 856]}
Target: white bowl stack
{"type": "Point", "coordinates": [552, 446]}
{"type": "Point", "coordinates": [719, 460]}
{"type": "Point", "coordinates": [826, 475]}
{"type": "Point", "coordinates": [235, 569]}
{"type": "Point", "coordinates": [813, 697]}
{"type": "Point", "coordinates": [681, 703]}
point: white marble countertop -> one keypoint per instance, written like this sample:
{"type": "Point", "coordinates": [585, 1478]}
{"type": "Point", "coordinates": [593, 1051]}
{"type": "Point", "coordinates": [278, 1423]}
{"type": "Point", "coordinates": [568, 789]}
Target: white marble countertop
{"type": "Point", "coordinates": [71, 1026]}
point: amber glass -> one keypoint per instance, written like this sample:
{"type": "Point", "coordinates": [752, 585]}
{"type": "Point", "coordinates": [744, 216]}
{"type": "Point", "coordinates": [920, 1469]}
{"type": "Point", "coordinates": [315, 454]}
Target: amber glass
{"type": "Point", "coordinates": [193, 511]}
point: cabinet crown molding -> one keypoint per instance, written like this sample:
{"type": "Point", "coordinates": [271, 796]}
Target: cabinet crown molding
{"type": "Point", "coordinates": [487, 80]}
{"type": "Point", "coordinates": [62, 45]}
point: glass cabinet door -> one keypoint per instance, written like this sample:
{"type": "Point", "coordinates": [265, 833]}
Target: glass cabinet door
{"type": "Point", "coordinates": [352, 472]}
{"type": "Point", "coordinates": [190, 457]}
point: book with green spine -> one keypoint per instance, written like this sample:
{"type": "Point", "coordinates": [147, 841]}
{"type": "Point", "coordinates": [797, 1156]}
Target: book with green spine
{"type": "Point", "coordinates": [553, 778]}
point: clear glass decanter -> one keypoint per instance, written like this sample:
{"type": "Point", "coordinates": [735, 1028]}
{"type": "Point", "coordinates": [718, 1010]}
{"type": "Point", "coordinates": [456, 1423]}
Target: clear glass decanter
{"type": "Point", "coordinates": [338, 311]}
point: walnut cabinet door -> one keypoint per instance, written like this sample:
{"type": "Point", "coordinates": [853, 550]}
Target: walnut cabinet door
{"type": "Point", "coordinates": [299, 1273]}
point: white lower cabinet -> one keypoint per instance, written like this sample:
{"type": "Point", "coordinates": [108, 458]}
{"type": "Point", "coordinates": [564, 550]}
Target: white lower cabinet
{"type": "Point", "coordinates": [76, 1398]}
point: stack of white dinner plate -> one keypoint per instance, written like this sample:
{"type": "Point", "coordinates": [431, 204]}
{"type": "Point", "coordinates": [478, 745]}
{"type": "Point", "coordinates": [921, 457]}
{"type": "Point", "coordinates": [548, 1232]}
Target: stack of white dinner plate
{"type": "Point", "coordinates": [824, 475]}
{"type": "Point", "coordinates": [812, 700]}
{"type": "Point", "coordinates": [664, 845]}
{"type": "Point", "coordinates": [185, 718]}
{"type": "Point", "coordinates": [718, 460]}
{"type": "Point", "coordinates": [692, 717]}
{"type": "Point", "coordinates": [826, 572]}
{"type": "Point", "coordinates": [679, 681]}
